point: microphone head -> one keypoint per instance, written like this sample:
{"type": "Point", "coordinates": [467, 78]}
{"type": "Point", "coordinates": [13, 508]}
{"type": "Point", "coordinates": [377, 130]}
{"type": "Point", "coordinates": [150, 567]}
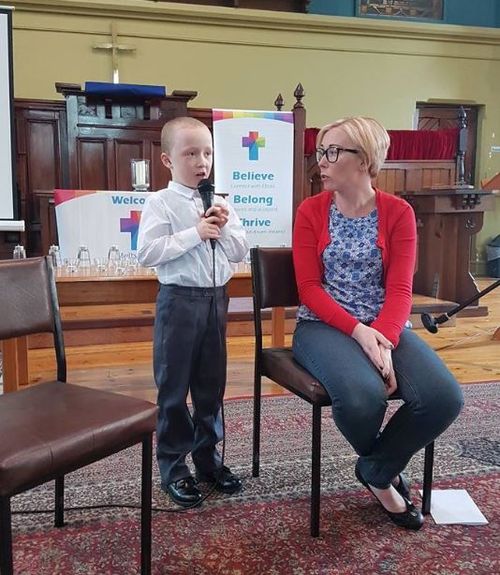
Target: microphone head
{"type": "Point", "coordinates": [205, 186]}
{"type": "Point", "coordinates": [206, 191]}
{"type": "Point", "coordinates": [429, 322]}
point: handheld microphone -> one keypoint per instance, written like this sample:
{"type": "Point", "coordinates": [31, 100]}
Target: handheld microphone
{"type": "Point", "coordinates": [206, 191]}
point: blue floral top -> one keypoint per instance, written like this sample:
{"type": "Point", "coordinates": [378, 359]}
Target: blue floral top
{"type": "Point", "coordinates": [353, 271]}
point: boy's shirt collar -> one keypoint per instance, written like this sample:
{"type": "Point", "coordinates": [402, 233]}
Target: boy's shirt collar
{"type": "Point", "coordinates": [181, 189]}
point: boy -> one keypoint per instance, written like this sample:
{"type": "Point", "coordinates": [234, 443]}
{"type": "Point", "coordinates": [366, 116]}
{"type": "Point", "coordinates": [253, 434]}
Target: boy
{"type": "Point", "coordinates": [189, 335]}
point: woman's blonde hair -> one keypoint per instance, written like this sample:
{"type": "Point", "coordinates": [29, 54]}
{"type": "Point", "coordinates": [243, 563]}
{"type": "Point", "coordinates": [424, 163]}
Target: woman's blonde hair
{"type": "Point", "coordinates": [367, 135]}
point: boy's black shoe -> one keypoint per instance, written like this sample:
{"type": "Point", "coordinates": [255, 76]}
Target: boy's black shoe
{"type": "Point", "coordinates": [225, 480]}
{"type": "Point", "coordinates": [184, 492]}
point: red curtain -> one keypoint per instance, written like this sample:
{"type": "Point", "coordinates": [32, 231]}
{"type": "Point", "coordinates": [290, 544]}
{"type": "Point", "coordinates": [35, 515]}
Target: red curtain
{"type": "Point", "coordinates": [423, 144]}
{"type": "Point", "coordinates": [310, 141]}
{"type": "Point", "coordinates": [408, 144]}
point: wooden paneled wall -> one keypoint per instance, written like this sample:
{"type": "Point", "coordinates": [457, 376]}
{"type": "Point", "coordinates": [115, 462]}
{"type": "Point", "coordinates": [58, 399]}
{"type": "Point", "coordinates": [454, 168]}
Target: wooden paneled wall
{"type": "Point", "coordinates": [87, 143]}
{"type": "Point", "coordinates": [54, 153]}
{"type": "Point", "coordinates": [415, 175]}
{"type": "Point", "coordinates": [104, 134]}
{"type": "Point", "coordinates": [397, 176]}
{"type": "Point", "coordinates": [41, 143]}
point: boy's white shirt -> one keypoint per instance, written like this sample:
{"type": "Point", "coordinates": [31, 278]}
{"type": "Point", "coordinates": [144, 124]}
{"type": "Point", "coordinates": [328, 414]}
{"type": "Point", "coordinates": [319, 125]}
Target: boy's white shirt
{"type": "Point", "coordinates": [168, 239]}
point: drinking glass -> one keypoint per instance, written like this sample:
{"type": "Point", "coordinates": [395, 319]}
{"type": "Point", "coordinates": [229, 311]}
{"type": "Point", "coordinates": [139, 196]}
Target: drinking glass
{"type": "Point", "coordinates": [113, 257]}
{"type": "Point", "coordinates": [100, 264]}
{"type": "Point", "coordinates": [140, 175]}
{"type": "Point", "coordinates": [71, 265]}
{"type": "Point", "coordinates": [55, 255]}
{"type": "Point", "coordinates": [84, 261]}
{"type": "Point", "coordinates": [19, 253]}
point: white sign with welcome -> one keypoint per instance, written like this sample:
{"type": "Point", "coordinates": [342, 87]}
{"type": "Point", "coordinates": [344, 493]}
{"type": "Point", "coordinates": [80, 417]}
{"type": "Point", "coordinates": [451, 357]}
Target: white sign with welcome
{"type": "Point", "coordinates": [254, 165]}
{"type": "Point", "coordinates": [97, 220]}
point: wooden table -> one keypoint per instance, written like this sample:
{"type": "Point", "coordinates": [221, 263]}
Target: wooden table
{"type": "Point", "coordinates": [80, 289]}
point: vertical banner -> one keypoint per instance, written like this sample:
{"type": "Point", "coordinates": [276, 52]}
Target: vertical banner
{"type": "Point", "coordinates": [254, 165]}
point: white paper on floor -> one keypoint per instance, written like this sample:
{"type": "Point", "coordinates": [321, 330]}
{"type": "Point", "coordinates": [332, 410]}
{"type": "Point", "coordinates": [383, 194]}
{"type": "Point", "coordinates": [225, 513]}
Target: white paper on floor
{"type": "Point", "coordinates": [450, 506]}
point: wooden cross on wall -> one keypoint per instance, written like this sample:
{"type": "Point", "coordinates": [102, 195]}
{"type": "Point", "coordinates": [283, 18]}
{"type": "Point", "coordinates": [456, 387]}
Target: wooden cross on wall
{"type": "Point", "coordinates": [115, 48]}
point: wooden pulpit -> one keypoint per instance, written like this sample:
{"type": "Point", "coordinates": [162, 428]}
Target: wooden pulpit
{"type": "Point", "coordinates": [106, 132]}
{"type": "Point", "coordinates": [447, 219]}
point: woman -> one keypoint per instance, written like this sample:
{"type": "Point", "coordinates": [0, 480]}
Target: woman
{"type": "Point", "coordinates": [354, 255]}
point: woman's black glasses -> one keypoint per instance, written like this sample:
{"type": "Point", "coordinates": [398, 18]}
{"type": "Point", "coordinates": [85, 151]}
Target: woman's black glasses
{"type": "Point", "coordinates": [332, 153]}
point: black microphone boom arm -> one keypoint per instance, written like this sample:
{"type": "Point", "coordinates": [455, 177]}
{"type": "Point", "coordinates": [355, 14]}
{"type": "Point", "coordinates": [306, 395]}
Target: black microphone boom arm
{"type": "Point", "coordinates": [431, 323]}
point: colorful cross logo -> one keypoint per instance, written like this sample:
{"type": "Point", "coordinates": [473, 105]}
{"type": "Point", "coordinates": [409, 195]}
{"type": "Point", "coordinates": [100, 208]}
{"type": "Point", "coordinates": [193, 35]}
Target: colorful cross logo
{"type": "Point", "coordinates": [131, 225]}
{"type": "Point", "coordinates": [253, 143]}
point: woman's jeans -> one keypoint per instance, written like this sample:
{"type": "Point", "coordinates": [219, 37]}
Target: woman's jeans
{"type": "Point", "coordinates": [432, 397]}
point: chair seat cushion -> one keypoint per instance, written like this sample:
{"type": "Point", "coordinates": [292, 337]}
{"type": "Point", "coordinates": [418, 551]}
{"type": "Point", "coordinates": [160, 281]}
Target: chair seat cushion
{"type": "Point", "coordinates": [278, 364]}
{"type": "Point", "coordinates": [50, 429]}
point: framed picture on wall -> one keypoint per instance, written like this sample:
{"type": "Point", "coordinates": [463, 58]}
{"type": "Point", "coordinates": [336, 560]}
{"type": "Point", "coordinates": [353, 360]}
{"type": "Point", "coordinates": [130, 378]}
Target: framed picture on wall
{"type": "Point", "coordinates": [418, 9]}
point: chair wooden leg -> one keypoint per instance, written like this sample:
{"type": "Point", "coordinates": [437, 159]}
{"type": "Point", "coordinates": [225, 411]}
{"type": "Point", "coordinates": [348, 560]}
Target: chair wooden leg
{"type": "Point", "coordinates": [315, 470]}
{"type": "Point", "coordinates": [256, 425]}
{"type": "Point", "coordinates": [427, 486]}
{"type": "Point", "coordinates": [59, 502]}
{"type": "Point", "coordinates": [146, 492]}
{"type": "Point", "coordinates": [6, 564]}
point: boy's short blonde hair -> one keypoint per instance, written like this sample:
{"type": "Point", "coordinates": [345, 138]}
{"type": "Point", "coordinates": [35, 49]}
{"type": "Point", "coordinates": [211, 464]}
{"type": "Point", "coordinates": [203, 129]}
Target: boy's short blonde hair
{"type": "Point", "coordinates": [169, 130]}
{"type": "Point", "coordinates": [368, 136]}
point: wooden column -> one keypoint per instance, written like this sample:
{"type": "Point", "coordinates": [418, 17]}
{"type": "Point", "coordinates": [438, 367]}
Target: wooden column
{"type": "Point", "coordinates": [48, 226]}
{"type": "Point", "coordinates": [299, 127]}
{"type": "Point", "coordinates": [278, 326]}
{"type": "Point", "coordinates": [15, 363]}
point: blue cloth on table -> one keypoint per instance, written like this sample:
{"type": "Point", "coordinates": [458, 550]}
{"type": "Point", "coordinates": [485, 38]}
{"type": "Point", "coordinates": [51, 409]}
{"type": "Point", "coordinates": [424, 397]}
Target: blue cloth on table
{"type": "Point", "coordinates": [125, 90]}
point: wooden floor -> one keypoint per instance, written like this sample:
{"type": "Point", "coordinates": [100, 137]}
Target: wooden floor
{"type": "Point", "coordinates": [467, 348]}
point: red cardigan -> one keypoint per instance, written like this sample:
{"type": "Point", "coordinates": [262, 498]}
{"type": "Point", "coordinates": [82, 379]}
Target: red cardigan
{"type": "Point", "coordinates": [397, 241]}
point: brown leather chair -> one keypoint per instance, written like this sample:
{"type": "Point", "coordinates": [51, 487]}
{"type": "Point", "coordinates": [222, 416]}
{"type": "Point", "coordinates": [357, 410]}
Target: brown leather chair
{"type": "Point", "coordinates": [56, 427]}
{"type": "Point", "coordinates": [274, 285]}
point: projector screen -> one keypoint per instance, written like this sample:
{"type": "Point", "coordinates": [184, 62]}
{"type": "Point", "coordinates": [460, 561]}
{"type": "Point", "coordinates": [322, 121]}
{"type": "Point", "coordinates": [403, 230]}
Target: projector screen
{"type": "Point", "coordinates": [8, 192]}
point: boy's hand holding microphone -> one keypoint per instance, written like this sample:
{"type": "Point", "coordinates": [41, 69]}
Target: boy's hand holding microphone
{"type": "Point", "coordinates": [214, 219]}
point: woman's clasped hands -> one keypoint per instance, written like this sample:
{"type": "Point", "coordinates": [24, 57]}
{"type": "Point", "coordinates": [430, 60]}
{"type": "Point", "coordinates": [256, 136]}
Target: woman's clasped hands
{"type": "Point", "coordinates": [379, 350]}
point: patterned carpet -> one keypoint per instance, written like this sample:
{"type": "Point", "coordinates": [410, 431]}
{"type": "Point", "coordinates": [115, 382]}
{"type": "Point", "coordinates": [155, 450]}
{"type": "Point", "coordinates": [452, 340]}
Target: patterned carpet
{"type": "Point", "coordinates": [265, 529]}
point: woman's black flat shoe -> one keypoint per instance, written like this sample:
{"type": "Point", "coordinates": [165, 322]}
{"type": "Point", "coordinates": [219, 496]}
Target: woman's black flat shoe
{"type": "Point", "coordinates": [409, 519]}
{"type": "Point", "coordinates": [403, 487]}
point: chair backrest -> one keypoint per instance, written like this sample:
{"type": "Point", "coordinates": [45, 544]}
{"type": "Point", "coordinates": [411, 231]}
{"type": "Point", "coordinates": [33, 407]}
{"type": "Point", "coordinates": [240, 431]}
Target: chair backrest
{"type": "Point", "coordinates": [273, 277]}
{"type": "Point", "coordinates": [28, 303]}
{"type": "Point", "coordinates": [273, 281]}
